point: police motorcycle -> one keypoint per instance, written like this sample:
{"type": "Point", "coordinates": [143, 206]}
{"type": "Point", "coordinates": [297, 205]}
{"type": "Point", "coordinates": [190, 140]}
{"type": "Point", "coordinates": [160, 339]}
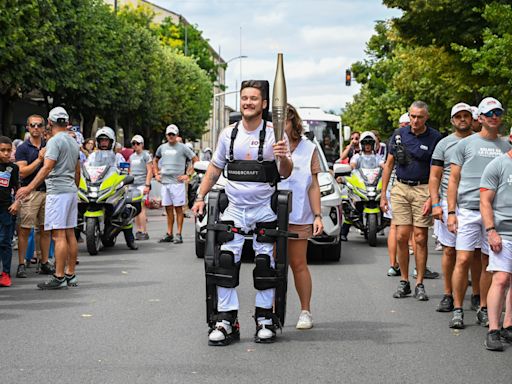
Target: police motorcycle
{"type": "Point", "coordinates": [107, 206]}
{"type": "Point", "coordinates": [361, 196]}
{"type": "Point", "coordinates": [220, 267]}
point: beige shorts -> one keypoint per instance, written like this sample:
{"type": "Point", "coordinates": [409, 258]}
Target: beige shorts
{"type": "Point", "coordinates": [407, 202]}
{"type": "Point", "coordinates": [32, 210]}
{"type": "Point", "coordinates": [305, 231]}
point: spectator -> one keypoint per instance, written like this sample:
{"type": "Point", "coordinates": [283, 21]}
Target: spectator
{"type": "Point", "coordinates": [475, 125]}
{"type": "Point", "coordinates": [30, 158]}
{"type": "Point", "coordinates": [353, 148]}
{"type": "Point", "coordinates": [88, 147]}
{"type": "Point", "coordinates": [207, 154]}
{"type": "Point", "coordinates": [9, 179]}
{"type": "Point", "coordinates": [119, 157]}
{"type": "Point", "coordinates": [169, 164]}
{"type": "Point", "coordinates": [468, 162]}
{"type": "Point", "coordinates": [142, 170]}
{"type": "Point", "coordinates": [412, 147]}
{"type": "Point", "coordinates": [61, 170]}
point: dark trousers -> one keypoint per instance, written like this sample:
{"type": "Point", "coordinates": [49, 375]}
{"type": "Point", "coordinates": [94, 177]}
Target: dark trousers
{"type": "Point", "coordinates": [7, 222]}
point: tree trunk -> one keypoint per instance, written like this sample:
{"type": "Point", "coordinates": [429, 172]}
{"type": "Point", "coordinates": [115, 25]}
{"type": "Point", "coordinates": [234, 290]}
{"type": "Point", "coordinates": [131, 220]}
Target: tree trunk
{"type": "Point", "coordinates": [87, 123]}
{"type": "Point", "coordinates": [5, 124]}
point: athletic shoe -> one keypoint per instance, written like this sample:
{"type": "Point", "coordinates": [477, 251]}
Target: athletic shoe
{"type": "Point", "coordinates": [482, 317]}
{"type": "Point", "coordinates": [305, 320]}
{"type": "Point", "coordinates": [71, 280]}
{"type": "Point", "coordinates": [404, 289]}
{"type": "Point", "coordinates": [223, 333]}
{"type": "Point", "coordinates": [265, 332]}
{"type": "Point", "coordinates": [166, 239]}
{"type": "Point", "coordinates": [428, 274]}
{"type": "Point", "coordinates": [46, 269]}
{"type": "Point", "coordinates": [178, 239]}
{"type": "Point", "coordinates": [506, 334]}
{"type": "Point", "coordinates": [21, 273]}
{"type": "Point", "coordinates": [419, 293]}
{"type": "Point", "coordinates": [138, 235]}
{"type": "Point", "coordinates": [5, 280]}
{"type": "Point", "coordinates": [343, 238]}
{"type": "Point", "coordinates": [394, 271]}
{"type": "Point", "coordinates": [438, 246]}
{"type": "Point", "coordinates": [53, 283]}
{"type": "Point", "coordinates": [475, 302]}
{"type": "Point", "coordinates": [142, 236]}
{"type": "Point", "coordinates": [493, 341]}
{"type": "Point", "coordinates": [457, 321]}
{"type": "Point", "coordinates": [446, 304]}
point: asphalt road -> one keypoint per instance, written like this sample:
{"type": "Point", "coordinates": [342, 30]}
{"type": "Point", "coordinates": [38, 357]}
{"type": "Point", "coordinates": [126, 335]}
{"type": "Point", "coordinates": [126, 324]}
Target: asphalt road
{"type": "Point", "coordinates": [139, 317]}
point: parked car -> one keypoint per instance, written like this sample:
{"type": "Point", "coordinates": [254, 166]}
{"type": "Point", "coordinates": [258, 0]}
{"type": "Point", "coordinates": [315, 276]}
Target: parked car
{"type": "Point", "coordinates": [327, 245]}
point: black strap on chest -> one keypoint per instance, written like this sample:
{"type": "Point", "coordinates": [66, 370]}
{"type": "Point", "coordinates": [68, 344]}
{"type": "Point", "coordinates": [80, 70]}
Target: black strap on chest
{"type": "Point", "coordinates": [251, 170]}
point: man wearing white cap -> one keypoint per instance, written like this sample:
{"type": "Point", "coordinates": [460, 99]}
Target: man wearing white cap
{"type": "Point", "coordinates": [461, 119]}
{"type": "Point", "coordinates": [476, 126]}
{"type": "Point", "coordinates": [61, 172]}
{"type": "Point", "coordinates": [470, 157]}
{"type": "Point", "coordinates": [170, 169]}
{"type": "Point", "coordinates": [404, 120]}
{"type": "Point", "coordinates": [142, 170]}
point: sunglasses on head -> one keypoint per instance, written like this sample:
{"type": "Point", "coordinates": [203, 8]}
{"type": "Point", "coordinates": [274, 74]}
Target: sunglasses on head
{"type": "Point", "coordinates": [497, 112]}
{"type": "Point", "coordinates": [136, 143]}
{"type": "Point", "coordinates": [38, 125]}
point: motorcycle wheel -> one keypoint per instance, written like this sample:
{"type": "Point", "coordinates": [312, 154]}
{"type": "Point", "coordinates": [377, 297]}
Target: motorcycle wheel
{"type": "Point", "coordinates": [372, 230]}
{"type": "Point", "coordinates": [92, 235]}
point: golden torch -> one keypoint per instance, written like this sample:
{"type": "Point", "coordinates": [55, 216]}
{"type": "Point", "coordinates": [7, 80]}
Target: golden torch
{"type": "Point", "coordinates": [279, 103]}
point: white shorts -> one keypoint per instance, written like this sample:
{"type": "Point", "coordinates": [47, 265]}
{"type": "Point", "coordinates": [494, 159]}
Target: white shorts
{"type": "Point", "coordinates": [389, 213]}
{"type": "Point", "coordinates": [501, 262]}
{"type": "Point", "coordinates": [445, 237]}
{"type": "Point", "coordinates": [470, 231]}
{"type": "Point", "coordinates": [61, 211]}
{"type": "Point", "coordinates": [173, 194]}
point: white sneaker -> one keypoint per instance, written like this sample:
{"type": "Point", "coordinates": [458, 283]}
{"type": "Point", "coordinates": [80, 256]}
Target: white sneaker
{"type": "Point", "coordinates": [217, 335]}
{"type": "Point", "coordinates": [439, 246]}
{"type": "Point", "coordinates": [305, 320]}
{"type": "Point", "coordinates": [265, 333]}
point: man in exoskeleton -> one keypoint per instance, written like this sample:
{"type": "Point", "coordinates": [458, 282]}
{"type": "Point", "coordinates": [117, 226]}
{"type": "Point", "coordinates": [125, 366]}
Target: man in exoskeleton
{"type": "Point", "coordinates": [248, 151]}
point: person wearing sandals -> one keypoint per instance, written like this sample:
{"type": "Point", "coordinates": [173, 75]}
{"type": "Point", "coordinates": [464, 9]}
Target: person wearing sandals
{"type": "Point", "coordinates": [305, 218]}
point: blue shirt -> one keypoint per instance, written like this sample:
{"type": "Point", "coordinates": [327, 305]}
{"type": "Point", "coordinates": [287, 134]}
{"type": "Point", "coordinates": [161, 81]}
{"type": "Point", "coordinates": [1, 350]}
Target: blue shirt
{"type": "Point", "coordinates": [419, 153]}
{"type": "Point", "coordinates": [29, 152]}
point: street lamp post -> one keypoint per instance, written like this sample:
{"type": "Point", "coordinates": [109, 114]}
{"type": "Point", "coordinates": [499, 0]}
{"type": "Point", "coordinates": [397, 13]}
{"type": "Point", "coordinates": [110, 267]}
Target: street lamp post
{"type": "Point", "coordinates": [214, 132]}
{"type": "Point", "coordinates": [240, 57]}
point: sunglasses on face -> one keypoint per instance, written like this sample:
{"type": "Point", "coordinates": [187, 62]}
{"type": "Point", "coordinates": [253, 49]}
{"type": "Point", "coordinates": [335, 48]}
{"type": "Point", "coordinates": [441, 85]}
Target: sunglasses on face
{"type": "Point", "coordinates": [171, 134]}
{"type": "Point", "coordinates": [34, 125]}
{"type": "Point", "coordinates": [135, 143]}
{"type": "Point", "coordinates": [497, 112]}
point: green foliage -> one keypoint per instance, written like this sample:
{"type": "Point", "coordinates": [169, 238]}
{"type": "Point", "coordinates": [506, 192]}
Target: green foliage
{"type": "Point", "coordinates": [438, 51]}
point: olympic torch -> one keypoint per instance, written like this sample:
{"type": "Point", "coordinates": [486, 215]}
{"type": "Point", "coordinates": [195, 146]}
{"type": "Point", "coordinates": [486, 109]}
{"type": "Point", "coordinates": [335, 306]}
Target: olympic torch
{"type": "Point", "coordinates": [279, 103]}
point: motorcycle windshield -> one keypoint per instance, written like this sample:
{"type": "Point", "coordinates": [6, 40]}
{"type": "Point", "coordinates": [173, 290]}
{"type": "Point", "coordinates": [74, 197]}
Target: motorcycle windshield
{"type": "Point", "coordinates": [371, 175]}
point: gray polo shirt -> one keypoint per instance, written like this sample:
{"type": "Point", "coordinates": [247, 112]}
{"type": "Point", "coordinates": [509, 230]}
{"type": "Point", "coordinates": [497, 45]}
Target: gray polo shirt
{"type": "Point", "coordinates": [65, 151]}
{"type": "Point", "coordinates": [442, 155]}
{"type": "Point", "coordinates": [138, 167]}
{"type": "Point", "coordinates": [173, 161]}
{"type": "Point", "coordinates": [473, 154]}
{"type": "Point", "coordinates": [497, 176]}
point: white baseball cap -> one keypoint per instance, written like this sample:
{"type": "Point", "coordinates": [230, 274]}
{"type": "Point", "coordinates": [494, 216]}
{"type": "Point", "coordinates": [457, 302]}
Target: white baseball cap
{"type": "Point", "coordinates": [172, 129]}
{"type": "Point", "coordinates": [138, 139]}
{"type": "Point", "coordinates": [58, 115]}
{"type": "Point", "coordinates": [488, 104]}
{"type": "Point", "coordinates": [474, 110]}
{"type": "Point", "coordinates": [461, 107]}
{"type": "Point", "coordinates": [404, 118]}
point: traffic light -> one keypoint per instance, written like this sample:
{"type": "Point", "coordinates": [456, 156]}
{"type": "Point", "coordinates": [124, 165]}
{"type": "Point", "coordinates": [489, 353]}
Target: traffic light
{"type": "Point", "coordinates": [348, 77]}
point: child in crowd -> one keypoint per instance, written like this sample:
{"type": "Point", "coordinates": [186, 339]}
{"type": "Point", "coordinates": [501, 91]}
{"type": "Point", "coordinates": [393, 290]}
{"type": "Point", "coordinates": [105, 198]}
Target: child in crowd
{"type": "Point", "coordinates": [9, 181]}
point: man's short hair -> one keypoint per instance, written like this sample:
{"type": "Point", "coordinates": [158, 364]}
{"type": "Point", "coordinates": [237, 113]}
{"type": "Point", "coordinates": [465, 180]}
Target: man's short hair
{"type": "Point", "coordinates": [36, 116]}
{"type": "Point", "coordinates": [5, 140]}
{"type": "Point", "coordinates": [262, 85]}
{"type": "Point", "coordinates": [420, 105]}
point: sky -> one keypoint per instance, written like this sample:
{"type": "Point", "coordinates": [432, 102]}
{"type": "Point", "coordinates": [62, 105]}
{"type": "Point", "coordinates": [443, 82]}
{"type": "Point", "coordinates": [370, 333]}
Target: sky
{"type": "Point", "coordinates": [319, 39]}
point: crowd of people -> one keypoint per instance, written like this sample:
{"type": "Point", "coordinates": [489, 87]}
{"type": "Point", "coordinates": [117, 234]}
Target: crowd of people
{"type": "Point", "coordinates": [464, 182]}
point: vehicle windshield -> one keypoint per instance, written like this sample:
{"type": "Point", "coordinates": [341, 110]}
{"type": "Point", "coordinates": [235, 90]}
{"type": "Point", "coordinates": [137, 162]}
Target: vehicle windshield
{"type": "Point", "coordinates": [323, 161]}
{"type": "Point", "coordinates": [327, 133]}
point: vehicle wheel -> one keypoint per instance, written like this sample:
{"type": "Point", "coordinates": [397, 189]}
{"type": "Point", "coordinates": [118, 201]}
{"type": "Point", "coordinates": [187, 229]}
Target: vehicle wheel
{"type": "Point", "coordinates": [108, 242]}
{"type": "Point", "coordinates": [92, 235]}
{"type": "Point", "coordinates": [200, 246]}
{"type": "Point", "coordinates": [332, 252]}
{"type": "Point", "coordinates": [372, 230]}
